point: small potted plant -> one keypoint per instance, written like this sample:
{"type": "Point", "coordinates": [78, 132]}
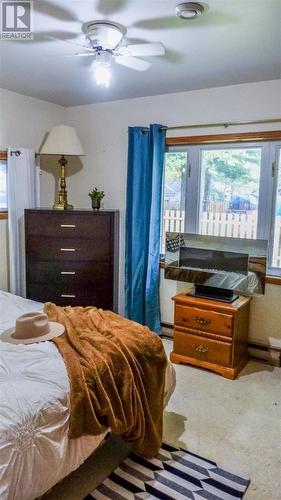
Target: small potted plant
{"type": "Point", "coordinates": [96, 197]}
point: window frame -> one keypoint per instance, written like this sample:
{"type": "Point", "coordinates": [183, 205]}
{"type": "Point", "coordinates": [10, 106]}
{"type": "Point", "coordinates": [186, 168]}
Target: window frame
{"type": "Point", "coordinates": [274, 271]}
{"type": "Point", "coordinates": [270, 142]}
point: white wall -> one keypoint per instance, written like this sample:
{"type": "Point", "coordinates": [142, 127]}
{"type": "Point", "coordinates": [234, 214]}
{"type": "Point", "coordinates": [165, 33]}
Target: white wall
{"type": "Point", "coordinates": [103, 132]}
{"type": "Point", "coordinates": [23, 123]}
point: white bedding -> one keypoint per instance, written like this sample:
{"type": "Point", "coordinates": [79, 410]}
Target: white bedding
{"type": "Point", "coordinates": [35, 452]}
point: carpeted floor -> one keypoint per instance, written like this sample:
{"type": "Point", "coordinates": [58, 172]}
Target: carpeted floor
{"type": "Point", "coordinates": [174, 474]}
{"type": "Point", "coordinates": [234, 423]}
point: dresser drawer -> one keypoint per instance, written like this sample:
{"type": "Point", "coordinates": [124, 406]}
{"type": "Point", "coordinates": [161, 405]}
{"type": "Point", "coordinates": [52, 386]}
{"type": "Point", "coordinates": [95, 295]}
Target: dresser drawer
{"type": "Point", "coordinates": [70, 272]}
{"type": "Point", "coordinates": [68, 225]}
{"type": "Point", "coordinates": [203, 319]}
{"type": "Point", "coordinates": [201, 348]}
{"type": "Point", "coordinates": [70, 249]}
{"type": "Point", "coordinates": [69, 295]}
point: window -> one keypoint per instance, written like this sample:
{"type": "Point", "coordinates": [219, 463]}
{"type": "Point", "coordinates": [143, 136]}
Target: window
{"type": "Point", "coordinates": [229, 190]}
{"type": "Point", "coordinates": [3, 186]}
{"type": "Point", "coordinates": [175, 191]}
{"type": "Point", "coordinates": [229, 200]}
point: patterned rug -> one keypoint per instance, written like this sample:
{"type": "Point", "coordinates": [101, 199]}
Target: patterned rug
{"type": "Point", "coordinates": [173, 474]}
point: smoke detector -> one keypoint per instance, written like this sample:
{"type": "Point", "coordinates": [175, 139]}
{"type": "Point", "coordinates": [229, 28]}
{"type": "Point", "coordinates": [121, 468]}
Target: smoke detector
{"type": "Point", "coordinates": [189, 10]}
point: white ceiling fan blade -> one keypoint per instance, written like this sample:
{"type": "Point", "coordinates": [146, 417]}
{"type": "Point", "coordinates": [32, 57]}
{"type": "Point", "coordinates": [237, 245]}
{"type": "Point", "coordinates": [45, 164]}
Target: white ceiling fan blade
{"type": "Point", "coordinates": [146, 49]}
{"type": "Point", "coordinates": [133, 63]}
{"type": "Point", "coordinates": [69, 42]}
{"type": "Point", "coordinates": [84, 55]}
{"type": "Point", "coordinates": [47, 8]}
{"type": "Point", "coordinates": [73, 55]}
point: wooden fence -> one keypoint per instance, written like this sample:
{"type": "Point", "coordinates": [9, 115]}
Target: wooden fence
{"type": "Point", "coordinates": [173, 221]}
{"type": "Point", "coordinates": [236, 225]}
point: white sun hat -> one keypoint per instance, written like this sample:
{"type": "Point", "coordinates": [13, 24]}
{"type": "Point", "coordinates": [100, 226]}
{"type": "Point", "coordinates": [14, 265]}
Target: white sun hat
{"type": "Point", "coordinates": [32, 327]}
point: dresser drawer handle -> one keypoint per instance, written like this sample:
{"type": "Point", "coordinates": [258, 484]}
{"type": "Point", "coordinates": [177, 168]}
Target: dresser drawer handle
{"type": "Point", "coordinates": [67, 272]}
{"type": "Point", "coordinates": [68, 225]}
{"type": "Point", "coordinates": [200, 348]}
{"type": "Point", "coordinates": [68, 296]}
{"type": "Point", "coordinates": [202, 321]}
{"type": "Point", "coordinates": [67, 249]}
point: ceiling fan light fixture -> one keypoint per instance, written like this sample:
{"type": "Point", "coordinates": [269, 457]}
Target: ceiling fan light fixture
{"type": "Point", "coordinates": [189, 10]}
{"type": "Point", "coordinates": [104, 33]}
{"type": "Point", "coordinates": [102, 75]}
{"type": "Point", "coordinates": [102, 68]}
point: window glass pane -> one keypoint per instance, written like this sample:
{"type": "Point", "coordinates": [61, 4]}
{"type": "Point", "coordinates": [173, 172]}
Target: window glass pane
{"type": "Point", "coordinates": [3, 185]}
{"type": "Point", "coordinates": [230, 192]}
{"type": "Point", "coordinates": [174, 193]}
{"type": "Point", "coordinates": [276, 256]}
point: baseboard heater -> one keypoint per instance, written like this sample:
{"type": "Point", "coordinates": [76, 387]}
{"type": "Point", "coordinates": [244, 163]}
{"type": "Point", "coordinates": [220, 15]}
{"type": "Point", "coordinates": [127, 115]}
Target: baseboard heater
{"type": "Point", "coordinates": [261, 352]}
{"type": "Point", "coordinates": [267, 353]}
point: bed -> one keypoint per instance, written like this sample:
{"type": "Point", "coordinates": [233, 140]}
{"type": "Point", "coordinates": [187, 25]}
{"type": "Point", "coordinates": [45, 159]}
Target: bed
{"type": "Point", "coordinates": [35, 452]}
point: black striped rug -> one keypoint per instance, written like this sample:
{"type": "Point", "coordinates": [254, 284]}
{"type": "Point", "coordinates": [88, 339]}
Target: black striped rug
{"type": "Point", "coordinates": [173, 474]}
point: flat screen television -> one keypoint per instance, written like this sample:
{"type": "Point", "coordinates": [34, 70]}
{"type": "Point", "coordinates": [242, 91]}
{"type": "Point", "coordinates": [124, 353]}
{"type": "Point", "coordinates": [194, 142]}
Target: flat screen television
{"type": "Point", "coordinates": [219, 267]}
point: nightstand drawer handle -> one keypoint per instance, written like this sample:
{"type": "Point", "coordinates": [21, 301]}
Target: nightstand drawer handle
{"type": "Point", "coordinates": [67, 249]}
{"type": "Point", "coordinates": [67, 272]}
{"type": "Point", "coordinates": [200, 348]}
{"type": "Point", "coordinates": [68, 225]}
{"type": "Point", "coordinates": [202, 321]}
{"type": "Point", "coordinates": [68, 296]}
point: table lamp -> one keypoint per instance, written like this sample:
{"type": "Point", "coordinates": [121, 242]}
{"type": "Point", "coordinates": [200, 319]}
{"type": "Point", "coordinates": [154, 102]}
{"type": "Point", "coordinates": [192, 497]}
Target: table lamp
{"type": "Point", "coordinates": [62, 140]}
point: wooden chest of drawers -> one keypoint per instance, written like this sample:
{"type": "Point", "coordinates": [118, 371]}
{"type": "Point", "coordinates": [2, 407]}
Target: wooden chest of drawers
{"type": "Point", "coordinates": [72, 257]}
{"type": "Point", "coordinates": [211, 334]}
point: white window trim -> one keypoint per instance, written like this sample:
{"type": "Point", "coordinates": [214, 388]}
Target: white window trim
{"type": "Point", "coordinates": [275, 157]}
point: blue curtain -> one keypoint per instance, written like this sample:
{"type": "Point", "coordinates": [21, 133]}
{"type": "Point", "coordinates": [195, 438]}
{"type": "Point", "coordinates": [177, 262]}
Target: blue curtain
{"type": "Point", "coordinates": [143, 224]}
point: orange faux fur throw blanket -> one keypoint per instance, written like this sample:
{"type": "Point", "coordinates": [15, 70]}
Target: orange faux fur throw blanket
{"type": "Point", "coordinates": [116, 369]}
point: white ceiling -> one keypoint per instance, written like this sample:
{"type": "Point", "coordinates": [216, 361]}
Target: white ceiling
{"type": "Point", "coordinates": [234, 41]}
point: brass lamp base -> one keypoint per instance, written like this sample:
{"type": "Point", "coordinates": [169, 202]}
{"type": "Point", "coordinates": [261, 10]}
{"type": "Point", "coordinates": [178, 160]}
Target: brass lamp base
{"type": "Point", "coordinates": [62, 206]}
{"type": "Point", "coordinates": [62, 203]}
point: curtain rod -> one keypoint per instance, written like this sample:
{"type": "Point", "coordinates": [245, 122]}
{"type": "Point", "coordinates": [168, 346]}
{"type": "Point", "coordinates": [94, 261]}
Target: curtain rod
{"type": "Point", "coordinates": [223, 124]}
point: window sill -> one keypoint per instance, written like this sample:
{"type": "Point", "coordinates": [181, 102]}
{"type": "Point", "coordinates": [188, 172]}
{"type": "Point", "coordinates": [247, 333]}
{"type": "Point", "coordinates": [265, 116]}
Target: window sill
{"type": "Point", "coordinates": [273, 280]}
{"type": "Point", "coordinates": [3, 215]}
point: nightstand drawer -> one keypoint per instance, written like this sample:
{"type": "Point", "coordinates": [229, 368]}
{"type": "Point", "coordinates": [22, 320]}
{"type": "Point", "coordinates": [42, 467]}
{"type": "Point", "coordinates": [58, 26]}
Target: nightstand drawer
{"type": "Point", "coordinates": [203, 319]}
{"type": "Point", "coordinates": [201, 348]}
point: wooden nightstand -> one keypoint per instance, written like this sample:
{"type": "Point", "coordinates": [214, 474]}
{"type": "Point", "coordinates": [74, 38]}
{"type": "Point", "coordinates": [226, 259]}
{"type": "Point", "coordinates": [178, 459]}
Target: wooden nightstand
{"type": "Point", "coordinates": [211, 334]}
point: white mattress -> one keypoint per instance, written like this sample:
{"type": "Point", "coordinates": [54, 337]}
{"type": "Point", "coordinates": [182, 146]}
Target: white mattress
{"type": "Point", "coordinates": [35, 452]}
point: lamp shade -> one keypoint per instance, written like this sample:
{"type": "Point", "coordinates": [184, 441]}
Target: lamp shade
{"type": "Point", "coordinates": [62, 140]}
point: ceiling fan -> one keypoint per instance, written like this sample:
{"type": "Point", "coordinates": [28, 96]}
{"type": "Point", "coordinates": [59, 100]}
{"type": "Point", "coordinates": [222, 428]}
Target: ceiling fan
{"type": "Point", "coordinates": [105, 44]}
{"type": "Point", "coordinates": [105, 40]}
